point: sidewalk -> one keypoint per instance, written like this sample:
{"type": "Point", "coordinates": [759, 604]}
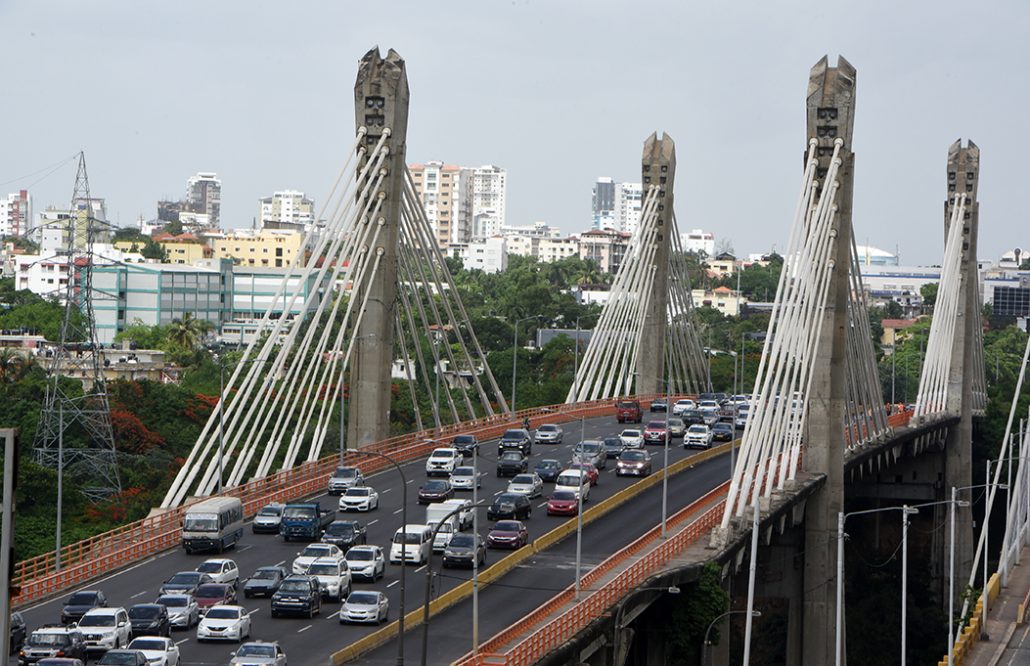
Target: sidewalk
{"type": "Point", "coordinates": [1009, 643]}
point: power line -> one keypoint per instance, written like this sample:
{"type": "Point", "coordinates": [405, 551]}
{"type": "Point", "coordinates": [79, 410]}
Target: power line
{"type": "Point", "coordinates": [52, 168]}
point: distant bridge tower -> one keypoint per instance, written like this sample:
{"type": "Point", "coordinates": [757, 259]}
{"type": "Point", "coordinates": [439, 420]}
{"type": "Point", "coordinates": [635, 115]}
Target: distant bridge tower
{"type": "Point", "coordinates": [380, 102]}
{"type": "Point", "coordinates": [831, 107]}
{"type": "Point", "coordinates": [658, 169]}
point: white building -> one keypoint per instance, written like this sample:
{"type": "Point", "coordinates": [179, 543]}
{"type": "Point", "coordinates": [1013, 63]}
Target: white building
{"type": "Point", "coordinates": [535, 230]}
{"type": "Point", "coordinates": [628, 201]}
{"type": "Point", "coordinates": [699, 242]}
{"type": "Point", "coordinates": [446, 193]}
{"type": "Point", "coordinates": [874, 256]}
{"type": "Point", "coordinates": [46, 274]}
{"type": "Point", "coordinates": [15, 213]}
{"type": "Point", "coordinates": [489, 255]}
{"type": "Point", "coordinates": [489, 200]}
{"type": "Point", "coordinates": [288, 209]}
{"type": "Point", "coordinates": [556, 249]}
{"type": "Point", "coordinates": [204, 196]}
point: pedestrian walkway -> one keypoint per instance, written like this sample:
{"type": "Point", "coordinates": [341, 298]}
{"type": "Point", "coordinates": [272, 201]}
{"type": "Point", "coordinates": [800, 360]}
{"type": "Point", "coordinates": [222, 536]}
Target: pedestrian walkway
{"type": "Point", "coordinates": [1008, 623]}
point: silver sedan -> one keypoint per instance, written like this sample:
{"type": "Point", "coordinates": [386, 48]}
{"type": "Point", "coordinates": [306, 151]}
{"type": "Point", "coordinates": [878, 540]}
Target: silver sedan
{"type": "Point", "coordinates": [365, 606]}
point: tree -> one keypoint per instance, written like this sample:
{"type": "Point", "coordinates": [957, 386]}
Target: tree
{"type": "Point", "coordinates": [929, 293]}
{"type": "Point", "coordinates": [693, 612]}
{"type": "Point", "coordinates": [187, 331]}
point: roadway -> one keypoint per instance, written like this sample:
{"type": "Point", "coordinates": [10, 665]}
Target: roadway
{"type": "Point", "coordinates": [310, 641]}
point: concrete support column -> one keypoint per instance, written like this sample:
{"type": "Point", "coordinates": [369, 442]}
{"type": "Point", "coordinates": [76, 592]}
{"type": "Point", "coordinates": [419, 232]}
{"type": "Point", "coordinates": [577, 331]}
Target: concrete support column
{"type": "Point", "coordinates": [963, 178]}
{"type": "Point", "coordinates": [831, 98]}
{"type": "Point", "coordinates": [658, 169]}
{"type": "Point", "coordinates": [380, 102]}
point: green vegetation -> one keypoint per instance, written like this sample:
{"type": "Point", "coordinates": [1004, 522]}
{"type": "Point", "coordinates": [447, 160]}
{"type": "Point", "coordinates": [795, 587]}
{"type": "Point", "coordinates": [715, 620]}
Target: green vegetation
{"type": "Point", "coordinates": [692, 612]}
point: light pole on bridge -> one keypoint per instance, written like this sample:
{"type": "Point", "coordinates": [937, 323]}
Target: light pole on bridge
{"type": "Point", "coordinates": [708, 631]}
{"type": "Point", "coordinates": [515, 356]}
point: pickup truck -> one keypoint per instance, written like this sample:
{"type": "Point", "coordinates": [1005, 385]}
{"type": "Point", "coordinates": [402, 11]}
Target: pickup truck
{"type": "Point", "coordinates": [304, 520]}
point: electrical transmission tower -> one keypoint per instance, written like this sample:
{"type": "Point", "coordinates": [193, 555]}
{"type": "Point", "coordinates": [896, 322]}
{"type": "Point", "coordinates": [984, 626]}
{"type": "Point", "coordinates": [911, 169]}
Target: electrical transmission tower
{"type": "Point", "coordinates": [77, 357]}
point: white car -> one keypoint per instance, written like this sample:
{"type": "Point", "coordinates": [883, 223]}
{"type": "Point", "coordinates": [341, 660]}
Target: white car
{"type": "Point", "coordinates": [632, 438]}
{"type": "Point", "coordinates": [359, 498]}
{"type": "Point", "coordinates": [105, 629]}
{"type": "Point", "coordinates": [708, 407]}
{"type": "Point", "coordinates": [530, 485]}
{"type": "Point", "coordinates": [343, 478]}
{"type": "Point", "coordinates": [224, 623]}
{"type": "Point", "coordinates": [366, 562]}
{"type": "Point", "coordinates": [683, 405]}
{"type": "Point", "coordinates": [313, 552]}
{"type": "Point", "coordinates": [183, 611]}
{"type": "Point", "coordinates": [221, 570]}
{"type": "Point", "coordinates": [443, 461]}
{"type": "Point", "coordinates": [463, 478]}
{"type": "Point", "coordinates": [333, 577]}
{"type": "Point", "coordinates": [550, 433]}
{"type": "Point", "coordinates": [365, 606]}
{"type": "Point", "coordinates": [259, 653]}
{"type": "Point", "coordinates": [699, 436]}
{"type": "Point", "coordinates": [158, 650]}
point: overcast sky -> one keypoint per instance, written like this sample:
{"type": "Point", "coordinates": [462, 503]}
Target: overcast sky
{"type": "Point", "coordinates": [558, 93]}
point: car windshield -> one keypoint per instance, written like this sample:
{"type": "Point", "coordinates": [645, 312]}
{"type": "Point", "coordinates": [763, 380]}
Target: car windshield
{"type": "Point", "coordinates": [210, 567]}
{"type": "Point", "coordinates": [548, 464]}
{"type": "Point", "coordinates": [82, 599]}
{"type": "Point", "coordinates": [563, 495]}
{"type": "Point", "coordinates": [144, 612]}
{"type": "Point", "coordinates": [345, 472]}
{"type": "Point", "coordinates": [210, 592]}
{"type": "Point", "coordinates": [173, 602]}
{"type": "Point", "coordinates": [464, 439]}
{"type": "Point", "coordinates": [359, 492]}
{"type": "Point", "coordinates": [463, 471]}
{"type": "Point", "coordinates": [340, 529]}
{"type": "Point", "coordinates": [723, 426]}
{"type": "Point", "coordinates": [631, 433]}
{"type": "Point", "coordinates": [511, 455]}
{"type": "Point", "coordinates": [509, 498]}
{"type": "Point", "coordinates": [676, 423]}
{"type": "Point", "coordinates": [201, 522]}
{"type": "Point", "coordinates": [254, 650]}
{"type": "Point", "coordinates": [47, 640]}
{"type": "Point", "coordinates": [633, 456]}
{"type": "Point", "coordinates": [364, 598]}
{"type": "Point", "coordinates": [323, 570]}
{"type": "Point", "coordinates": [547, 428]}
{"type": "Point", "coordinates": [295, 586]}
{"type": "Point", "coordinates": [435, 485]}
{"type": "Point", "coordinates": [270, 511]}
{"type": "Point", "coordinates": [462, 541]}
{"type": "Point", "coordinates": [523, 478]}
{"type": "Point", "coordinates": [698, 429]}
{"type": "Point", "coordinates": [506, 526]}
{"type": "Point", "coordinates": [408, 537]}
{"type": "Point", "coordinates": [612, 441]}
{"type": "Point", "coordinates": [147, 644]}
{"type": "Point", "coordinates": [265, 574]}
{"type": "Point", "coordinates": [118, 658]}
{"type": "Point", "coordinates": [360, 555]}
{"type": "Point", "coordinates": [99, 620]}
{"type": "Point", "coordinates": [627, 405]}
{"type": "Point", "coordinates": [315, 551]}
{"type": "Point", "coordinates": [298, 512]}
{"type": "Point", "coordinates": [223, 614]}
{"type": "Point", "coordinates": [656, 425]}
{"type": "Point", "coordinates": [444, 453]}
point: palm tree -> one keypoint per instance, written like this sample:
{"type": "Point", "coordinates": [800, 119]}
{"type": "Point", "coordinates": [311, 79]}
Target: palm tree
{"type": "Point", "coordinates": [11, 365]}
{"type": "Point", "coordinates": [188, 331]}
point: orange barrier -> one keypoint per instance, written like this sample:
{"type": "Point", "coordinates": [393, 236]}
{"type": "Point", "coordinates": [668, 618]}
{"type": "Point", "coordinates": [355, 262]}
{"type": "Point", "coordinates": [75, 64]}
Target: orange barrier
{"type": "Point", "coordinates": [38, 577]}
{"type": "Point", "coordinates": [538, 643]}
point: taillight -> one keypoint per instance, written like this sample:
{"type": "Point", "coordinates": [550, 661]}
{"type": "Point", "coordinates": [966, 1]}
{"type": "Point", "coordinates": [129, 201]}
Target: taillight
{"type": "Point", "coordinates": [60, 653]}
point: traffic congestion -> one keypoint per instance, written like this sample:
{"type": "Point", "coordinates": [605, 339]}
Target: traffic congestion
{"type": "Point", "coordinates": [309, 576]}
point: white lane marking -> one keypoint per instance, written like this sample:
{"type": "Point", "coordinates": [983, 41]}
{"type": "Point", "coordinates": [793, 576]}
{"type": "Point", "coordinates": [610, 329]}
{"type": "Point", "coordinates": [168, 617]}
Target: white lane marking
{"type": "Point", "coordinates": [138, 594]}
{"type": "Point", "coordinates": [498, 493]}
{"type": "Point", "coordinates": [393, 583]}
{"type": "Point", "coordinates": [240, 549]}
{"type": "Point", "coordinates": [333, 615]}
{"type": "Point", "coordinates": [541, 505]}
{"type": "Point", "coordinates": [181, 642]}
{"type": "Point", "coordinates": [383, 492]}
{"type": "Point", "coordinates": [303, 629]}
{"type": "Point", "coordinates": [398, 511]}
{"type": "Point", "coordinates": [254, 610]}
{"type": "Point", "coordinates": [279, 564]}
{"type": "Point", "coordinates": [410, 481]}
{"type": "Point", "coordinates": [420, 569]}
{"type": "Point", "coordinates": [372, 522]}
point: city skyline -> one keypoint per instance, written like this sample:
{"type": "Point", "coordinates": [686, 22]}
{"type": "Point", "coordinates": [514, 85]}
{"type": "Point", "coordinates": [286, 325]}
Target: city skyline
{"type": "Point", "coordinates": [916, 94]}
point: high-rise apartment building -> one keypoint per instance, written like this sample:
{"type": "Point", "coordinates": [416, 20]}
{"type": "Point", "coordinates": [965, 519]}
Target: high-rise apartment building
{"type": "Point", "coordinates": [616, 205]}
{"type": "Point", "coordinates": [204, 196]}
{"type": "Point", "coordinates": [489, 197]}
{"type": "Point", "coordinates": [603, 204]}
{"type": "Point", "coordinates": [15, 213]}
{"type": "Point", "coordinates": [288, 209]}
{"type": "Point", "coordinates": [446, 193]}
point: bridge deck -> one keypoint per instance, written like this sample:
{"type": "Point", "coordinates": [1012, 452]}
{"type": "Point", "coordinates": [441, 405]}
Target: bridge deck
{"type": "Point", "coordinates": [1009, 642]}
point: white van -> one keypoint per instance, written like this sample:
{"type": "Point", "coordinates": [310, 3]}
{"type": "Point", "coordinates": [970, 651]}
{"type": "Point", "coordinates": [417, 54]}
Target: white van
{"type": "Point", "coordinates": [464, 516]}
{"type": "Point", "coordinates": [573, 480]}
{"type": "Point", "coordinates": [411, 543]}
{"type": "Point", "coordinates": [214, 524]}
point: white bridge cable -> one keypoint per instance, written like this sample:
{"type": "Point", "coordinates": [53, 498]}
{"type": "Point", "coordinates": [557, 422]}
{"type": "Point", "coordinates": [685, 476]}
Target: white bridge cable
{"type": "Point", "coordinates": [205, 441]}
{"type": "Point", "coordinates": [423, 366]}
{"type": "Point", "coordinates": [687, 346]}
{"type": "Point", "coordinates": [408, 362]}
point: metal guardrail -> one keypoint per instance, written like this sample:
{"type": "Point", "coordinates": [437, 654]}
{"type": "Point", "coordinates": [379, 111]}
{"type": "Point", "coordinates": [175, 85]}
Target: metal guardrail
{"type": "Point", "coordinates": [104, 553]}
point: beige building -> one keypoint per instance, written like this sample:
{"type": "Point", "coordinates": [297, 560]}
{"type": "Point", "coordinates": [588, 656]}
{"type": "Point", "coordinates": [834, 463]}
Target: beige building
{"type": "Point", "coordinates": [182, 249]}
{"type": "Point", "coordinates": [446, 192]}
{"type": "Point", "coordinates": [607, 247]}
{"type": "Point", "coordinates": [268, 248]}
{"type": "Point", "coordinates": [725, 300]}
{"type": "Point", "coordinates": [288, 209]}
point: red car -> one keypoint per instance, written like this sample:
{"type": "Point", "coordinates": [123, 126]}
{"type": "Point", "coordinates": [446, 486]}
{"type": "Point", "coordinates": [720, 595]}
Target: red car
{"type": "Point", "coordinates": [508, 534]}
{"type": "Point", "coordinates": [562, 503]}
{"type": "Point", "coordinates": [589, 468]}
{"type": "Point", "coordinates": [627, 411]}
{"type": "Point", "coordinates": [214, 594]}
{"type": "Point", "coordinates": [655, 432]}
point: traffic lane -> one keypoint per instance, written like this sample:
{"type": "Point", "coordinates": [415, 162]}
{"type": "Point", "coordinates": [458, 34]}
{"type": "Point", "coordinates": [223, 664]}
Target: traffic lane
{"type": "Point", "coordinates": [140, 583]}
{"type": "Point", "coordinates": [545, 574]}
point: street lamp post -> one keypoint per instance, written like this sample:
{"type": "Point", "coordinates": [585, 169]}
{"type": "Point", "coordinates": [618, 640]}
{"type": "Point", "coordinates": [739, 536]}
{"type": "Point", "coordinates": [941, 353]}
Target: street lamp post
{"type": "Point", "coordinates": [708, 631]}
{"type": "Point", "coordinates": [617, 628]}
{"type": "Point", "coordinates": [906, 511]}
{"type": "Point", "coordinates": [404, 547]}
{"type": "Point", "coordinates": [515, 357]}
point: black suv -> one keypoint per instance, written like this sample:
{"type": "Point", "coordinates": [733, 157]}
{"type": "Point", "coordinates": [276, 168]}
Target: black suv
{"type": "Point", "coordinates": [46, 641]}
{"type": "Point", "coordinates": [345, 533]}
{"type": "Point", "coordinates": [510, 463]}
{"type": "Point", "coordinates": [467, 445]}
{"type": "Point", "coordinates": [692, 417]}
{"type": "Point", "coordinates": [722, 432]}
{"type": "Point", "coordinates": [149, 620]}
{"type": "Point", "coordinates": [516, 438]}
{"type": "Point", "coordinates": [297, 595]}
{"type": "Point", "coordinates": [80, 602]}
{"type": "Point", "coordinates": [509, 505]}
{"type": "Point", "coordinates": [548, 469]}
